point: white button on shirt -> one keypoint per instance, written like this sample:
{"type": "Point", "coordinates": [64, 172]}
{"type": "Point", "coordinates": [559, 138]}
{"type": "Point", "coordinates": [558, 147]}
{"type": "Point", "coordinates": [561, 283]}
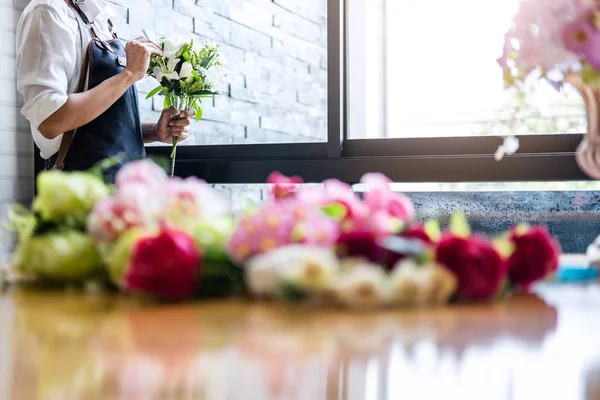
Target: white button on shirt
{"type": "Point", "coordinates": [49, 53]}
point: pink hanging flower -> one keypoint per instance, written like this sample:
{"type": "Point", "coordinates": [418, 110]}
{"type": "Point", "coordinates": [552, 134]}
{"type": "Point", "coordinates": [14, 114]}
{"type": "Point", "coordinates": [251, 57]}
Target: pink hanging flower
{"type": "Point", "coordinates": [583, 38]}
{"type": "Point", "coordinates": [283, 186]}
{"type": "Point", "coordinates": [144, 171]}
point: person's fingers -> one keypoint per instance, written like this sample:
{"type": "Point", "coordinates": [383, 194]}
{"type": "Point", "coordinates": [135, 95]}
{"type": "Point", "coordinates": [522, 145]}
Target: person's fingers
{"type": "Point", "coordinates": [150, 42]}
{"type": "Point", "coordinates": [187, 113]}
{"type": "Point", "coordinates": [171, 111]}
{"type": "Point", "coordinates": [176, 130]}
{"type": "Point", "coordinates": [180, 122]}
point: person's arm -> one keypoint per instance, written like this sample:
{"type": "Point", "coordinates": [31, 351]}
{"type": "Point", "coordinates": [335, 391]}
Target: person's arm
{"type": "Point", "coordinates": [46, 52]}
{"type": "Point", "coordinates": [82, 108]}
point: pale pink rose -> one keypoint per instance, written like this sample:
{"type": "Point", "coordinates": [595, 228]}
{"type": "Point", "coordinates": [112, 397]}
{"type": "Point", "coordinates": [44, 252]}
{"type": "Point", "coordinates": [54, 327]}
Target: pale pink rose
{"type": "Point", "coordinates": [193, 198]}
{"type": "Point", "coordinates": [144, 171]}
{"type": "Point", "coordinates": [110, 217]}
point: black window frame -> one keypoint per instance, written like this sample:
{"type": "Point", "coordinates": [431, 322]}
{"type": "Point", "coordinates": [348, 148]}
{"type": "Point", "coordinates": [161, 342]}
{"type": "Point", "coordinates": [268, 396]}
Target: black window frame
{"type": "Point", "coordinates": [433, 159]}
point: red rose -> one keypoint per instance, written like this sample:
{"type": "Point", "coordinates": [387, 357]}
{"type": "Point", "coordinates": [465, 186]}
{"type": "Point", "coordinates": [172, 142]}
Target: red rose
{"type": "Point", "coordinates": [535, 255]}
{"type": "Point", "coordinates": [166, 266]}
{"type": "Point", "coordinates": [477, 265]}
{"type": "Point", "coordinates": [359, 244]}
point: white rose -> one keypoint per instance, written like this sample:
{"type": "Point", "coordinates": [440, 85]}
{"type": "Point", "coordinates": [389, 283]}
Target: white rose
{"type": "Point", "coordinates": [362, 286]}
{"type": "Point", "coordinates": [414, 285]}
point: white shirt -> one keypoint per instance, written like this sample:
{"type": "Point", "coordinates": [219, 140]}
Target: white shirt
{"type": "Point", "coordinates": [49, 53]}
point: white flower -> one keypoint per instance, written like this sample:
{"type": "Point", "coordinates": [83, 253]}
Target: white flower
{"type": "Point", "coordinates": [186, 72]}
{"type": "Point", "coordinates": [306, 267]}
{"type": "Point", "coordinates": [509, 146]}
{"type": "Point", "coordinates": [362, 286]}
{"type": "Point", "coordinates": [167, 71]}
{"type": "Point", "coordinates": [414, 285]}
{"type": "Point", "coordinates": [309, 268]}
{"type": "Point", "coordinates": [171, 46]}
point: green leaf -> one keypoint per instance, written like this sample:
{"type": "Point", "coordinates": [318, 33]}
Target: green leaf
{"type": "Point", "coordinates": [504, 247]}
{"type": "Point", "coordinates": [154, 91]}
{"type": "Point", "coordinates": [198, 112]}
{"type": "Point", "coordinates": [167, 102]}
{"type": "Point", "coordinates": [459, 225]}
{"type": "Point", "coordinates": [433, 230]}
{"type": "Point", "coordinates": [335, 210]}
{"type": "Point", "coordinates": [292, 293]}
{"type": "Point", "coordinates": [522, 229]}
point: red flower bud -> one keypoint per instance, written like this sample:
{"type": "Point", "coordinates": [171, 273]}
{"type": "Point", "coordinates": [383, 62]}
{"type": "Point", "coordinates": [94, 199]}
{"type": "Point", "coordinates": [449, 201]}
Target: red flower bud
{"type": "Point", "coordinates": [475, 262]}
{"type": "Point", "coordinates": [535, 255]}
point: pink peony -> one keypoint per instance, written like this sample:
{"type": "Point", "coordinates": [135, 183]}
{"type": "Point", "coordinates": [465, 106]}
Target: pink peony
{"type": "Point", "coordinates": [166, 266]}
{"type": "Point", "coordinates": [145, 172]}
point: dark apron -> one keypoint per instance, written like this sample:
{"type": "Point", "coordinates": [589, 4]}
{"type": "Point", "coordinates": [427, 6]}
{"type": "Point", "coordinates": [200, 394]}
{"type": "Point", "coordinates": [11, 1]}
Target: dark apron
{"type": "Point", "coordinates": [116, 132]}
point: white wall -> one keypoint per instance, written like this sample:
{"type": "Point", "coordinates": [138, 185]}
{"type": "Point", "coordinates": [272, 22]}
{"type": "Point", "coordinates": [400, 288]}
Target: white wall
{"type": "Point", "coordinates": [16, 145]}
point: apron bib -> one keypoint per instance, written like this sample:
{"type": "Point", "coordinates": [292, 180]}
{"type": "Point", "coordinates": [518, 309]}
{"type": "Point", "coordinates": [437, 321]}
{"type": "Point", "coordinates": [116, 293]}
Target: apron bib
{"type": "Point", "coordinates": [118, 131]}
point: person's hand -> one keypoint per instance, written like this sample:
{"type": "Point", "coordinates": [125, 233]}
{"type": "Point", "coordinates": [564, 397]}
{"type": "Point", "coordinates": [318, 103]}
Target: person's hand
{"type": "Point", "coordinates": [167, 127]}
{"type": "Point", "coordinates": [138, 56]}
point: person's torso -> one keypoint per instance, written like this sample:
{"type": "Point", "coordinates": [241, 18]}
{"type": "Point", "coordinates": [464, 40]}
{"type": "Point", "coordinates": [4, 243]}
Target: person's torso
{"type": "Point", "coordinates": [69, 20]}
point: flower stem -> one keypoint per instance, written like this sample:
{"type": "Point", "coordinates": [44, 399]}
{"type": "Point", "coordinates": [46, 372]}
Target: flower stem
{"type": "Point", "coordinates": [179, 103]}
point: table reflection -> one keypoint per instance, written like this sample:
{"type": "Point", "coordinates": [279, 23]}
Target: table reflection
{"type": "Point", "coordinates": [100, 346]}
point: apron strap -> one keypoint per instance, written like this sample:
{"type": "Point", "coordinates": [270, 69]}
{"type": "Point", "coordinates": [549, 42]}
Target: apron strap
{"type": "Point", "coordinates": [67, 137]}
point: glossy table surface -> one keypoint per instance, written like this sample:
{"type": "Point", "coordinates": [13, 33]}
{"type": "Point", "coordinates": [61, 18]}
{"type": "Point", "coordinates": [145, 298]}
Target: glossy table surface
{"type": "Point", "coordinates": [69, 345]}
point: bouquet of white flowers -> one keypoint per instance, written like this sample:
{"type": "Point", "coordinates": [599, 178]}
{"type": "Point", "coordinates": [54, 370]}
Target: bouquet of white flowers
{"type": "Point", "coordinates": [186, 73]}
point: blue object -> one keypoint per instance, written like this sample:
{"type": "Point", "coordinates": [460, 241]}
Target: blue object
{"type": "Point", "coordinates": [568, 273]}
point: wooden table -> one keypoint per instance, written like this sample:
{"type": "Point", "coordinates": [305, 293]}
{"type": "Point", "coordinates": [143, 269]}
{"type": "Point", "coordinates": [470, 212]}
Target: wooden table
{"type": "Point", "coordinates": [57, 345]}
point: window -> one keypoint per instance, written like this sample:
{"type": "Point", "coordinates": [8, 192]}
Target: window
{"type": "Point", "coordinates": [337, 88]}
{"type": "Point", "coordinates": [429, 70]}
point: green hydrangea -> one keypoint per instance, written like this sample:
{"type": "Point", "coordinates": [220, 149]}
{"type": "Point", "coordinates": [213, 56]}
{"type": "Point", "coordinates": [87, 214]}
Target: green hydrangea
{"type": "Point", "coordinates": [67, 197]}
{"type": "Point", "coordinates": [65, 255]}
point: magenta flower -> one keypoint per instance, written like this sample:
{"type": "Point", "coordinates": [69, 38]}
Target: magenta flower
{"type": "Point", "coordinates": [166, 266]}
{"type": "Point", "coordinates": [283, 186]}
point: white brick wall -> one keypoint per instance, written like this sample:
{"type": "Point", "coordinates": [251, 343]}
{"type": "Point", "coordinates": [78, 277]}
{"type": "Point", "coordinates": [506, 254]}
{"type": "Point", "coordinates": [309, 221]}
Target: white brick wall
{"type": "Point", "coordinates": [16, 148]}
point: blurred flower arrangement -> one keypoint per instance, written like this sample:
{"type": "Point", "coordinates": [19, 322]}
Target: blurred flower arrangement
{"type": "Point", "coordinates": [175, 239]}
{"type": "Point", "coordinates": [186, 74]}
{"type": "Point", "coordinates": [150, 234]}
{"type": "Point", "coordinates": [558, 41]}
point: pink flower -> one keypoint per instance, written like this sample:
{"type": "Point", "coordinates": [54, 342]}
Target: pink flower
{"type": "Point", "coordinates": [386, 206]}
{"type": "Point", "coordinates": [193, 198]}
{"type": "Point", "coordinates": [166, 266]}
{"type": "Point", "coordinates": [283, 186]}
{"type": "Point", "coordinates": [278, 223]}
{"type": "Point", "coordinates": [111, 217]}
{"type": "Point", "coordinates": [144, 171]}
{"type": "Point", "coordinates": [581, 37]}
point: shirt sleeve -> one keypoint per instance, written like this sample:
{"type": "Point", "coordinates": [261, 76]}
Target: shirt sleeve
{"type": "Point", "coordinates": [46, 60]}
